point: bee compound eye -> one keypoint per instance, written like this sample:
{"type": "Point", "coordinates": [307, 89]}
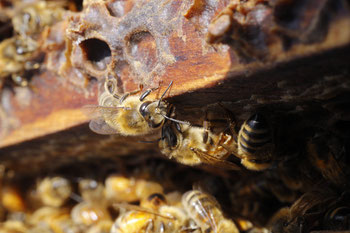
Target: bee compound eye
{"type": "Point", "coordinates": [143, 109]}
{"type": "Point", "coordinates": [169, 136]}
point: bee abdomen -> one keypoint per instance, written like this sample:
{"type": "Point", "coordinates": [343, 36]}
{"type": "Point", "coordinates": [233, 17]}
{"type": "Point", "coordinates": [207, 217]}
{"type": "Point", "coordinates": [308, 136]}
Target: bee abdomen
{"type": "Point", "coordinates": [255, 133]}
{"type": "Point", "coordinates": [199, 204]}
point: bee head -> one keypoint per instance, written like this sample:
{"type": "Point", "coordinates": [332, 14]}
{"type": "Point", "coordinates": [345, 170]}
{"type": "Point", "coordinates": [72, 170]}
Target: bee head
{"type": "Point", "coordinates": [152, 113]}
{"type": "Point", "coordinates": [169, 139]}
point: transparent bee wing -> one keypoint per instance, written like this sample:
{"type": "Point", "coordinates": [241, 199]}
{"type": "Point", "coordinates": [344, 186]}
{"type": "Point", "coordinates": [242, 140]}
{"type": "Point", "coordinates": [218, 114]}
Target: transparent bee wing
{"type": "Point", "coordinates": [99, 126]}
{"type": "Point", "coordinates": [97, 113]}
{"type": "Point", "coordinates": [221, 163]}
{"type": "Point", "coordinates": [140, 209]}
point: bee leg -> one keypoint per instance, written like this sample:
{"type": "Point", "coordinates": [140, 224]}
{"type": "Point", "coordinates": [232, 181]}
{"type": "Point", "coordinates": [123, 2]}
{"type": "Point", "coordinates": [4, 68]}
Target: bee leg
{"type": "Point", "coordinates": [110, 86]}
{"type": "Point", "coordinates": [149, 226]}
{"type": "Point", "coordinates": [188, 229]}
{"type": "Point", "coordinates": [147, 92]}
{"type": "Point", "coordinates": [231, 121]}
{"type": "Point", "coordinates": [131, 93]}
{"type": "Point", "coordinates": [212, 160]}
{"type": "Point", "coordinates": [206, 126]}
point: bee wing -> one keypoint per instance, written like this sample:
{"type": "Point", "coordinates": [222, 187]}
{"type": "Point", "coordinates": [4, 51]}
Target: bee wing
{"type": "Point", "coordinates": [96, 111]}
{"type": "Point", "coordinates": [97, 123]}
{"type": "Point", "coordinates": [99, 126]}
{"type": "Point", "coordinates": [140, 209]}
{"type": "Point", "coordinates": [206, 158]}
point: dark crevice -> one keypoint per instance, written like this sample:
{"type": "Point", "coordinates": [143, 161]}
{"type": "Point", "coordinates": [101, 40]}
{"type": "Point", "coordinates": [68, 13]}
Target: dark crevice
{"type": "Point", "coordinates": [97, 52]}
{"type": "Point", "coordinates": [75, 5]}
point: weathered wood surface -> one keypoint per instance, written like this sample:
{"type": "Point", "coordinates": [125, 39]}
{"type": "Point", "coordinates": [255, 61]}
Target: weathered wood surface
{"type": "Point", "coordinates": [161, 41]}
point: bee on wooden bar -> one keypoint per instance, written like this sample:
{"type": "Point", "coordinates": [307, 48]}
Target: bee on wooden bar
{"type": "Point", "coordinates": [194, 145]}
{"type": "Point", "coordinates": [254, 143]}
{"type": "Point", "coordinates": [206, 212]}
{"type": "Point", "coordinates": [128, 114]}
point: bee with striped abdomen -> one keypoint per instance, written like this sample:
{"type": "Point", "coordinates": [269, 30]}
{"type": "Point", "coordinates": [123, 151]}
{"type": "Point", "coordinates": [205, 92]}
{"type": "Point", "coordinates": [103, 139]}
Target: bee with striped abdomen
{"type": "Point", "coordinates": [206, 212]}
{"type": "Point", "coordinates": [254, 143]}
{"type": "Point", "coordinates": [193, 145]}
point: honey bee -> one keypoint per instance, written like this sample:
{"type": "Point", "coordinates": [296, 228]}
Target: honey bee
{"type": "Point", "coordinates": [193, 145]}
{"type": "Point", "coordinates": [30, 19]}
{"type": "Point", "coordinates": [258, 197]}
{"type": "Point", "coordinates": [328, 156]}
{"type": "Point", "coordinates": [254, 143]}
{"type": "Point", "coordinates": [12, 199]}
{"type": "Point", "coordinates": [54, 191]}
{"type": "Point", "coordinates": [103, 226]}
{"type": "Point", "coordinates": [13, 226]}
{"type": "Point", "coordinates": [91, 190]}
{"type": "Point", "coordinates": [206, 212]}
{"type": "Point", "coordinates": [89, 213]}
{"type": "Point", "coordinates": [128, 189]}
{"type": "Point", "coordinates": [17, 60]}
{"type": "Point", "coordinates": [20, 56]}
{"type": "Point", "coordinates": [56, 220]}
{"type": "Point", "coordinates": [127, 114]}
{"type": "Point", "coordinates": [153, 215]}
{"type": "Point", "coordinates": [316, 210]}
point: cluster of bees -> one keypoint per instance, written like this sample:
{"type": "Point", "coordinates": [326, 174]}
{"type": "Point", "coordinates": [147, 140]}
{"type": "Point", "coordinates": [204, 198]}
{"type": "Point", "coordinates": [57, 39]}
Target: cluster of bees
{"type": "Point", "coordinates": [23, 25]}
{"type": "Point", "coordinates": [296, 193]}
{"type": "Point", "coordinates": [77, 198]}
{"type": "Point", "coordinates": [132, 114]}
{"type": "Point", "coordinates": [20, 54]}
{"type": "Point", "coordinates": [278, 182]}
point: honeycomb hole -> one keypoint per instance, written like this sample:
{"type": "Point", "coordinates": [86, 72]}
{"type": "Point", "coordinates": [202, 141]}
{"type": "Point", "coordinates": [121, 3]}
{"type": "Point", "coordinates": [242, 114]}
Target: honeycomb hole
{"type": "Point", "coordinates": [118, 8]}
{"type": "Point", "coordinates": [143, 48]}
{"type": "Point", "coordinates": [75, 5]}
{"type": "Point", "coordinates": [97, 52]}
{"type": "Point", "coordinates": [6, 29]}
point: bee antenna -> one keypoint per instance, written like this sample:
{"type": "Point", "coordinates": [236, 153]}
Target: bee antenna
{"type": "Point", "coordinates": [177, 121]}
{"type": "Point", "coordinates": [161, 98]}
